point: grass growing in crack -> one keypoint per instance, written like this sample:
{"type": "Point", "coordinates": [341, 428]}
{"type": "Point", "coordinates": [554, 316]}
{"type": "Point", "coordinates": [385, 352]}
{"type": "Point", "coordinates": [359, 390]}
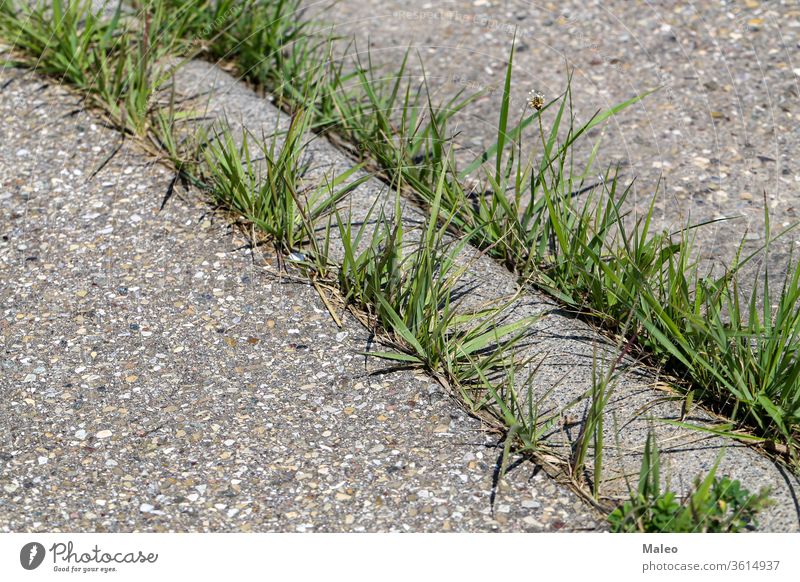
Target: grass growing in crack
{"type": "Point", "coordinates": [743, 355]}
{"type": "Point", "coordinates": [402, 284]}
{"type": "Point", "coordinates": [591, 432]}
{"type": "Point", "coordinates": [269, 44]}
{"type": "Point", "coordinates": [715, 505]}
{"type": "Point", "coordinates": [408, 288]}
{"type": "Point", "coordinates": [268, 187]}
{"type": "Point", "coordinates": [529, 419]}
{"type": "Point", "coordinates": [584, 249]}
{"type": "Point", "coordinates": [394, 122]}
{"type": "Point", "coordinates": [112, 59]}
{"type": "Point", "coordinates": [268, 41]}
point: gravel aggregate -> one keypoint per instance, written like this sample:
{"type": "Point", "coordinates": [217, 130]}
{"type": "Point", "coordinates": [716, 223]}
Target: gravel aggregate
{"type": "Point", "coordinates": [159, 375]}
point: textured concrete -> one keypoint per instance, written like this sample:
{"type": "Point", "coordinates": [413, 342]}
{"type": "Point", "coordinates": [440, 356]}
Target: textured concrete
{"type": "Point", "coordinates": [165, 490]}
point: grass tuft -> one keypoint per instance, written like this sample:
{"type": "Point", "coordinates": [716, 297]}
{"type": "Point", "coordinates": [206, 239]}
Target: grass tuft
{"type": "Point", "coordinates": [715, 505]}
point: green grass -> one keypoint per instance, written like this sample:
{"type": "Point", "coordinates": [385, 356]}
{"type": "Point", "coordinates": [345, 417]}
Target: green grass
{"type": "Point", "coordinates": [584, 250]}
{"type": "Point", "coordinates": [113, 60]}
{"type": "Point", "coordinates": [402, 284]}
{"type": "Point", "coordinates": [408, 287]}
{"type": "Point", "coordinates": [267, 187]}
{"type": "Point", "coordinates": [714, 505]}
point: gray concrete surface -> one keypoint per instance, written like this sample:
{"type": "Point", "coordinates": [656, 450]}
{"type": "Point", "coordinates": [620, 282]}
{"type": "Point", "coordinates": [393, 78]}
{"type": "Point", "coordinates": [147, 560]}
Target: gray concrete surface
{"type": "Point", "coordinates": [158, 376]}
{"type": "Point", "coordinates": [173, 469]}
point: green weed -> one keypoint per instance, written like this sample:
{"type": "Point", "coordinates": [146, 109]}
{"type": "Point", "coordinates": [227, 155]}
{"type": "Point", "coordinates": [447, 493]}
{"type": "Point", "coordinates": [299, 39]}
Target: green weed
{"type": "Point", "coordinates": [113, 60]}
{"type": "Point", "coordinates": [408, 288]}
{"type": "Point", "coordinates": [715, 505]}
{"type": "Point", "coordinates": [268, 187]}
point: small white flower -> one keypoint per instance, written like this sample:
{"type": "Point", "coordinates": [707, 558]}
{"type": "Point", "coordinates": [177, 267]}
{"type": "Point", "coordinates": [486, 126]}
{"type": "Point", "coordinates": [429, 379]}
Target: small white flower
{"type": "Point", "coordinates": [535, 100]}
